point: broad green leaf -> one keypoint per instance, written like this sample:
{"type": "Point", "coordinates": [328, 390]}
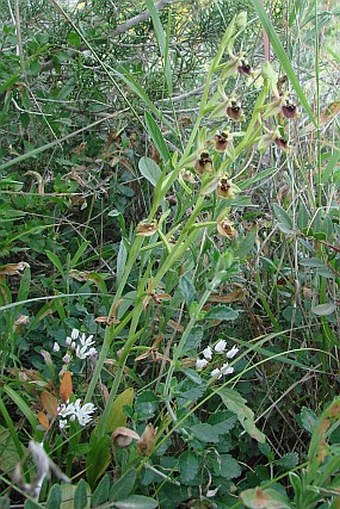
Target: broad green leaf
{"type": "Point", "coordinates": [137, 502]}
{"type": "Point", "coordinates": [82, 496]}
{"type": "Point", "coordinates": [324, 309]}
{"type": "Point", "coordinates": [9, 455]}
{"type": "Point", "coordinates": [257, 498]}
{"type": "Point", "coordinates": [79, 253]}
{"type": "Point", "coordinates": [102, 492]}
{"type": "Point", "coordinates": [98, 458]}
{"type": "Point", "coordinates": [284, 221]}
{"type": "Point", "coordinates": [309, 420]}
{"type": "Point", "coordinates": [67, 496]}
{"type": "Point", "coordinates": [121, 489]}
{"type": "Point", "coordinates": [221, 312]}
{"type": "Point", "coordinates": [54, 497]}
{"type": "Point", "coordinates": [157, 137]}
{"type": "Point", "coordinates": [117, 417]}
{"type": "Point", "coordinates": [282, 56]}
{"type": "Point", "coordinates": [56, 261]}
{"type": "Point", "coordinates": [4, 503]}
{"type": "Point", "coordinates": [22, 405]}
{"type": "Point", "coordinates": [328, 171]}
{"type": "Point", "coordinates": [236, 404]}
{"type": "Point", "coordinates": [194, 339]}
{"type": "Point", "coordinates": [188, 466]}
{"type": "Point", "coordinates": [150, 170]}
{"type": "Point", "coordinates": [262, 175]}
{"type": "Point", "coordinates": [187, 289]}
{"type": "Point", "coordinates": [146, 405]}
{"type": "Point", "coordinates": [226, 466]}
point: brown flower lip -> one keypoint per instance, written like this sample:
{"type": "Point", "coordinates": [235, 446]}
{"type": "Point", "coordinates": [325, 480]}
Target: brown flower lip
{"type": "Point", "coordinates": [224, 188]}
{"type": "Point", "coordinates": [204, 163]}
{"type": "Point", "coordinates": [281, 143]}
{"type": "Point", "coordinates": [221, 141]}
{"type": "Point", "coordinates": [289, 110]}
{"type": "Point", "coordinates": [234, 111]}
{"type": "Point", "coordinates": [146, 229]}
{"type": "Point", "coordinates": [244, 69]}
{"type": "Point", "coordinates": [225, 228]}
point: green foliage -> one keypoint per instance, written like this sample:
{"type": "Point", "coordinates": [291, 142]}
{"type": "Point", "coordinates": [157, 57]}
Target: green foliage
{"type": "Point", "coordinates": [167, 307]}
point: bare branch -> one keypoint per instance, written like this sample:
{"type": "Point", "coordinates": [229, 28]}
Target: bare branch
{"type": "Point", "coordinates": [143, 16]}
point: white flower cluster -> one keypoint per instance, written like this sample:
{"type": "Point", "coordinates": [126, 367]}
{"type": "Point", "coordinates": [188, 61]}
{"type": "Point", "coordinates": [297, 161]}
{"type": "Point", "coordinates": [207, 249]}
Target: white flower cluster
{"type": "Point", "coordinates": [73, 411]}
{"type": "Point", "coordinates": [220, 348]}
{"type": "Point", "coordinates": [80, 344]}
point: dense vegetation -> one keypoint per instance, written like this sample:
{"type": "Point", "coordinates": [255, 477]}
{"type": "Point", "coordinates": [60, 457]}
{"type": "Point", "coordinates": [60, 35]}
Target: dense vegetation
{"type": "Point", "coordinates": [169, 243]}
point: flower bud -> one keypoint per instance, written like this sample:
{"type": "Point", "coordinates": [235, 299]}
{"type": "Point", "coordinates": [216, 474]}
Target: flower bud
{"type": "Point", "coordinates": [147, 229]}
{"type": "Point", "coordinates": [204, 163]}
{"type": "Point", "coordinates": [225, 188]}
{"type": "Point", "coordinates": [124, 436]}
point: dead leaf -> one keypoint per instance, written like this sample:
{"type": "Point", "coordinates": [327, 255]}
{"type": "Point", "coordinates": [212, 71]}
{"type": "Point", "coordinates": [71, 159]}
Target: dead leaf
{"type": "Point", "coordinates": [13, 269]}
{"type": "Point", "coordinates": [43, 419]}
{"type": "Point", "coordinates": [49, 403]}
{"type": "Point", "coordinates": [66, 388]}
{"type": "Point", "coordinates": [235, 296]}
{"type": "Point", "coordinates": [146, 443]}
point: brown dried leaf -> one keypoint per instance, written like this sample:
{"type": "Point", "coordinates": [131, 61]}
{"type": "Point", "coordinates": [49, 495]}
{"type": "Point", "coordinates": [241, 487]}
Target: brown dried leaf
{"type": "Point", "coordinates": [49, 403]}
{"type": "Point", "coordinates": [66, 387]}
{"type": "Point", "coordinates": [235, 296]}
{"type": "Point", "coordinates": [13, 269]}
{"type": "Point", "coordinates": [146, 443]}
{"type": "Point", "coordinates": [43, 419]}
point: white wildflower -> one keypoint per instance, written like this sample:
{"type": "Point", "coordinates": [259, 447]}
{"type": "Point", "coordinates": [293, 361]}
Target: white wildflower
{"type": "Point", "coordinates": [56, 347]}
{"type": "Point", "coordinates": [83, 413]}
{"type": "Point", "coordinates": [73, 411]}
{"type": "Point", "coordinates": [83, 349]}
{"type": "Point", "coordinates": [212, 493]}
{"type": "Point", "coordinates": [74, 336]}
{"type": "Point", "coordinates": [234, 351]}
{"type": "Point", "coordinates": [216, 373]}
{"type": "Point", "coordinates": [201, 363]}
{"type": "Point", "coordinates": [73, 345]}
{"type": "Point", "coordinates": [220, 346]}
{"type": "Point", "coordinates": [226, 369]}
{"type": "Point", "coordinates": [207, 353]}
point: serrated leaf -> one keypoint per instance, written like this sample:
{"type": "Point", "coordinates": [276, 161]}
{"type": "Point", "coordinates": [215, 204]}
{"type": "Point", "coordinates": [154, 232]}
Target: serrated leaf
{"type": "Point", "coordinates": [137, 502]}
{"type": "Point", "coordinates": [205, 432]}
{"type": "Point", "coordinates": [288, 461]}
{"type": "Point", "coordinates": [188, 466]}
{"type": "Point", "coordinates": [194, 339]}
{"type": "Point", "coordinates": [324, 309]}
{"type": "Point", "coordinates": [220, 312]}
{"type": "Point", "coordinates": [226, 466]}
{"type": "Point", "coordinates": [150, 170]}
